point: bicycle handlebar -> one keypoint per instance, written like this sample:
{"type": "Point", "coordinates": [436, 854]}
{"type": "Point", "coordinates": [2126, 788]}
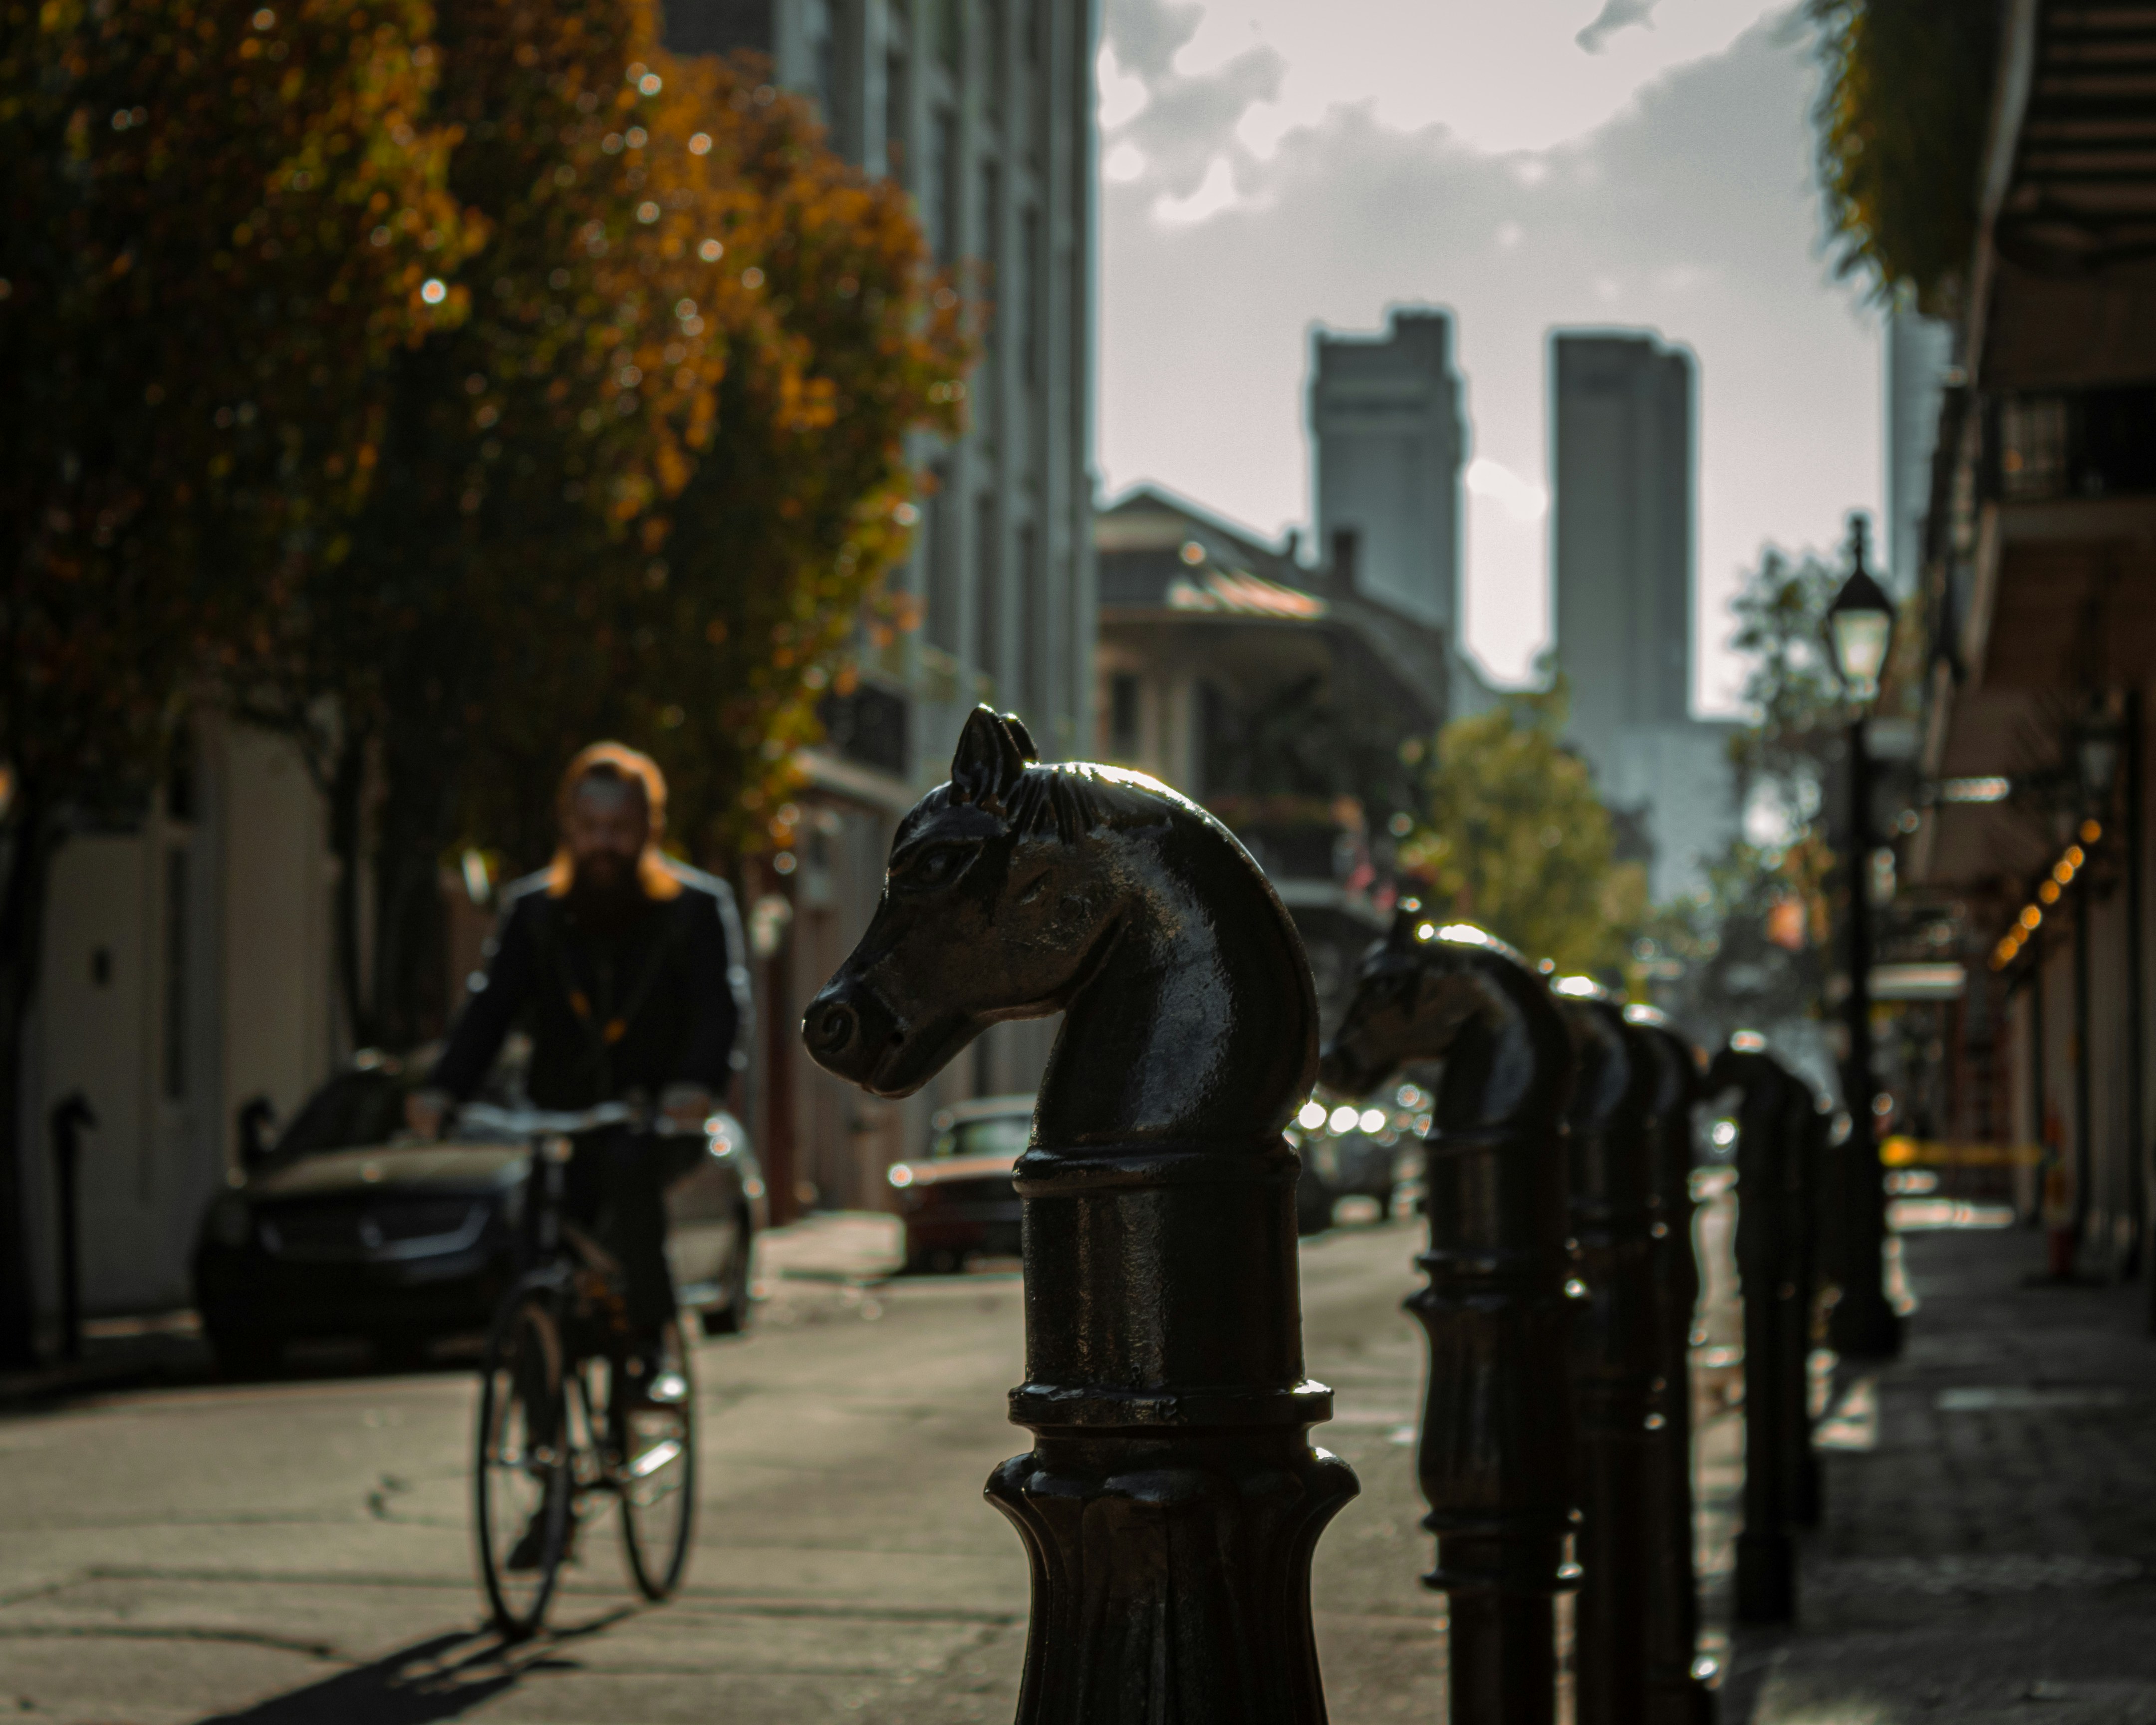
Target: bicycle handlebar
{"type": "Point", "coordinates": [530, 1122]}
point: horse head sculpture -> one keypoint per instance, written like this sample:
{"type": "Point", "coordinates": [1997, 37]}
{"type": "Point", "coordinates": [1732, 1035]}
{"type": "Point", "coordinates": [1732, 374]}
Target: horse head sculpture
{"type": "Point", "coordinates": [1495, 1458]}
{"type": "Point", "coordinates": [1016, 890]}
{"type": "Point", "coordinates": [1453, 992]}
{"type": "Point", "coordinates": [1172, 1498]}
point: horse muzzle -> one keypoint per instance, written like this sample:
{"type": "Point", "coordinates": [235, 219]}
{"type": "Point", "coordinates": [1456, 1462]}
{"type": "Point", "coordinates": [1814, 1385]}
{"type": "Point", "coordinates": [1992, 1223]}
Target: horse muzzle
{"type": "Point", "coordinates": [851, 1032]}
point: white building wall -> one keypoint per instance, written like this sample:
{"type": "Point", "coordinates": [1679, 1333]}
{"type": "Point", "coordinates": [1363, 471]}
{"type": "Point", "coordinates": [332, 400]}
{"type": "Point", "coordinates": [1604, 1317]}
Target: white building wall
{"type": "Point", "coordinates": [186, 966]}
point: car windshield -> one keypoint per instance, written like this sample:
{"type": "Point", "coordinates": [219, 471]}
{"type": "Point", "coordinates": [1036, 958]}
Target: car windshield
{"type": "Point", "coordinates": [991, 1135]}
{"type": "Point", "coordinates": [351, 1110]}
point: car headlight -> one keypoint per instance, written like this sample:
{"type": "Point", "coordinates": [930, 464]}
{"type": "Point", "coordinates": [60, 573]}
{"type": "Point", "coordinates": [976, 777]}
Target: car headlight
{"type": "Point", "coordinates": [231, 1222]}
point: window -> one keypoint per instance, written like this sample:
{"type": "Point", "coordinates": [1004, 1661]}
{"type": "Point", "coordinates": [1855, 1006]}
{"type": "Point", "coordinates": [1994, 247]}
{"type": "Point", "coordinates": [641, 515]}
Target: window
{"type": "Point", "coordinates": [988, 587]}
{"type": "Point", "coordinates": [990, 383]}
{"type": "Point", "coordinates": [939, 185]}
{"type": "Point", "coordinates": [898, 102]}
{"type": "Point", "coordinates": [2032, 436]}
{"type": "Point", "coordinates": [1033, 630]}
{"type": "Point", "coordinates": [176, 974]}
{"type": "Point", "coordinates": [1028, 296]}
{"type": "Point", "coordinates": [1123, 741]}
{"type": "Point", "coordinates": [1346, 549]}
{"type": "Point", "coordinates": [942, 564]}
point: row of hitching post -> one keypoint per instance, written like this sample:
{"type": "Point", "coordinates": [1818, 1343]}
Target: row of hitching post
{"type": "Point", "coordinates": [1562, 1289]}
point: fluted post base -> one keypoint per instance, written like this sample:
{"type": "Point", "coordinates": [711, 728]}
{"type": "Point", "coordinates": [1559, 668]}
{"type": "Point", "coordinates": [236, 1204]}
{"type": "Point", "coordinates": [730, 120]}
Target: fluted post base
{"type": "Point", "coordinates": [1171, 1575]}
{"type": "Point", "coordinates": [1171, 1499]}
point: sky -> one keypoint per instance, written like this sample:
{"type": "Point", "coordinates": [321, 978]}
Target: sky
{"type": "Point", "coordinates": [1272, 166]}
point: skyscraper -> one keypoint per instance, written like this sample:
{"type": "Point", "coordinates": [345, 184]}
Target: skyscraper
{"type": "Point", "coordinates": [1622, 526]}
{"type": "Point", "coordinates": [1387, 444]}
{"type": "Point", "coordinates": [1625, 461]}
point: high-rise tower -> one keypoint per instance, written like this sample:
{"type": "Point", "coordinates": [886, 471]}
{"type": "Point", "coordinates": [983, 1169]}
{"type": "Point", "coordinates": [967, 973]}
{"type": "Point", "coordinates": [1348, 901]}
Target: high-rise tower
{"type": "Point", "coordinates": [1387, 441]}
{"type": "Point", "coordinates": [1622, 530]}
{"type": "Point", "coordinates": [1625, 459]}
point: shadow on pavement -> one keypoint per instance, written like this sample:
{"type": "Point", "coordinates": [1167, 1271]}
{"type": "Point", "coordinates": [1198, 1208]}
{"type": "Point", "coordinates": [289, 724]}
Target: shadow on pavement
{"type": "Point", "coordinates": [439, 1678]}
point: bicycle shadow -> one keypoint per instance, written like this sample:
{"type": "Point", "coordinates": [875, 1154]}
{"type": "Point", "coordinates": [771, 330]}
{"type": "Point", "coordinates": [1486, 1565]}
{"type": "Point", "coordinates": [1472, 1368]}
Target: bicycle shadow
{"type": "Point", "coordinates": [439, 1678]}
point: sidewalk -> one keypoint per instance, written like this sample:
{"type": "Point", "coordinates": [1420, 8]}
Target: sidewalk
{"type": "Point", "coordinates": [1988, 1548]}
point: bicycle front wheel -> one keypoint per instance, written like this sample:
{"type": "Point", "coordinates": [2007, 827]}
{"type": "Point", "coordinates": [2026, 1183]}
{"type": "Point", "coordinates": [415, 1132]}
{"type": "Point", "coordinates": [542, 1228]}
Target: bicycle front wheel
{"type": "Point", "coordinates": [522, 1483]}
{"type": "Point", "coordinates": [657, 1480]}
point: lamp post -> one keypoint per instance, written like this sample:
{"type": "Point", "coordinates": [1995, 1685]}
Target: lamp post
{"type": "Point", "coordinates": [2097, 743]}
{"type": "Point", "coordinates": [1859, 629]}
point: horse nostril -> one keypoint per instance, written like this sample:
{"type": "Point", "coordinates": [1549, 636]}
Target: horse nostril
{"type": "Point", "coordinates": [831, 1028]}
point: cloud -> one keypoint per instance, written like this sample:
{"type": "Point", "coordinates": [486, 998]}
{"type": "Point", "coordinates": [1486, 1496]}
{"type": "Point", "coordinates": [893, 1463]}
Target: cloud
{"type": "Point", "coordinates": [1215, 193]}
{"type": "Point", "coordinates": [1123, 95]}
{"type": "Point", "coordinates": [1521, 499]}
{"type": "Point", "coordinates": [1123, 163]}
{"type": "Point", "coordinates": [1500, 77]}
{"type": "Point", "coordinates": [1690, 204]}
{"type": "Point", "coordinates": [1615, 15]}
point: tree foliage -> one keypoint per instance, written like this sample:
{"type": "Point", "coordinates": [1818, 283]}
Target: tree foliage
{"type": "Point", "coordinates": [1901, 119]}
{"type": "Point", "coordinates": [190, 325]}
{"type": "Point", "coordinates": [193, 312]}
{"type": "Point", "coordinates": [641, 490]}
{"type": "Point", "coordinates": [1515, 839]}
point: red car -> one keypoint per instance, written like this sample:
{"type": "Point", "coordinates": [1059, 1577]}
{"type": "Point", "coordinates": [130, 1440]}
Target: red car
{"type": "Point", "coordinates": [957, 1201]}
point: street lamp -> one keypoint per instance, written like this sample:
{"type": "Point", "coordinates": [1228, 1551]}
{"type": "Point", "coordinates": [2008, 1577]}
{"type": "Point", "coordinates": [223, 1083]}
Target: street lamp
{"type": "Point", "coordinates": [1860, 633]}
{"type": "Point", "coordinates": [1860, 623]}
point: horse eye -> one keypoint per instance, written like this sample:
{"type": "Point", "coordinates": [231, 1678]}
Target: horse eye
{"type": "Point", "coordinates": [938, 867]}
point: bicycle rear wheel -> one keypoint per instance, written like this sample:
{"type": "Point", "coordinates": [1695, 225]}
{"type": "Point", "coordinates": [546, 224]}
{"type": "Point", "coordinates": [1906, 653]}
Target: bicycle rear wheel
{"type": "Point", "coordinates": [521, 1484]}
{"type": "Point", "coordinates": [658, 1481]}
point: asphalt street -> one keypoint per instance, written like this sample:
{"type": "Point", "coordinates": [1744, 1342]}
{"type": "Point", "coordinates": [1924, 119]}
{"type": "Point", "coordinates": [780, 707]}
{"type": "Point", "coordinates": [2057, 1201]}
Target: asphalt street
{"type": "Point", "coordinates": [300, 1550]}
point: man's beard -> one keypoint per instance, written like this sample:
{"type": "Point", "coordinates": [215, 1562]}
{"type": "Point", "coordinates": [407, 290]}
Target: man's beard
{"type": "Point", "coordinates": [607, 895]}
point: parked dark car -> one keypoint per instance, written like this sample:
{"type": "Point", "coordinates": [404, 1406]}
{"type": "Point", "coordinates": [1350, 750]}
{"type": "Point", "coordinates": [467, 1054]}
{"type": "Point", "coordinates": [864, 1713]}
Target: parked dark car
{"type": "Point", "coordinates": [957, 1200]}
{"type": "Point", "coordinates": [1371, 1153]}
{"type": "Point", "coordinates": [346, 1225]}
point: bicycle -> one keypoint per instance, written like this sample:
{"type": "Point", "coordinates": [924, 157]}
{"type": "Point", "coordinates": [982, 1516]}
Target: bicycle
{"type": "Point", "coordinates": [554, 1434]}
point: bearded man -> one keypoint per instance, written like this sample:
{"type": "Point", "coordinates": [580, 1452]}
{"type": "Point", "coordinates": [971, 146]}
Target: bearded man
{"type": "Point", "coordinates": [624, 967]}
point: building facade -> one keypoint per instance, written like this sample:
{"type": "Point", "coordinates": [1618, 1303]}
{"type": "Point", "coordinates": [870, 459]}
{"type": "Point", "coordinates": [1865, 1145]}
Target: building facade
{"type": "Point", "coordinates": [1625, 461]}
{"type": "Point", "coordinates": [2025, 850]}
{"type": "Point", "coordinates": [984, 111]}
{"type": "Point", "coordinates": [1278, 696]}
{"type": "Point", "coordinates": [185, 971]}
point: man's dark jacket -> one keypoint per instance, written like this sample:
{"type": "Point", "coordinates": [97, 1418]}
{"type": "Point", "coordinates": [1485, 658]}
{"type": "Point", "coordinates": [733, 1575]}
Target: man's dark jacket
{"type": "Point", "coordinates": [657, 1000]}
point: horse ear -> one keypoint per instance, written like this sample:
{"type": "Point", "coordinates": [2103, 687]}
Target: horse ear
{"type": "Point", "coordinates": [1023, 737]}
{"type": "Point", "coordinates": [987, 763]}
{"type": "Point", "coordinates": [1402, 937]}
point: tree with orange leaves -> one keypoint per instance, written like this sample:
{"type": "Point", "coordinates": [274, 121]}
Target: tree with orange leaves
{"type": "Point", "coordinates": [213, 224]}
{"type": "Point", "coordinates": [641, 490]}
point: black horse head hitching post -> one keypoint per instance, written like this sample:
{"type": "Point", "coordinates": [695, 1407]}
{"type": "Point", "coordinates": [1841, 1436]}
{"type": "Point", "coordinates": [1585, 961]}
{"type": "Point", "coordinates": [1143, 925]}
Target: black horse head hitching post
{"type": "Point", "coordinates": [1615, 1355]}
{"type": "Point", "coordinates": [1772, 1229]}
{"type": "Point", "coordinates": [1676, 1694]}
{"type": "Point", "coordinates": [1496, 1461]}
{"type": "Point", "coordinates": [1173, 1500]}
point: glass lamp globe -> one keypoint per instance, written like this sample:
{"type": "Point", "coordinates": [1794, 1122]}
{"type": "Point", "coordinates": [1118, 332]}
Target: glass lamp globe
{"type": "Point", "coordinates": [1860, 623]}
